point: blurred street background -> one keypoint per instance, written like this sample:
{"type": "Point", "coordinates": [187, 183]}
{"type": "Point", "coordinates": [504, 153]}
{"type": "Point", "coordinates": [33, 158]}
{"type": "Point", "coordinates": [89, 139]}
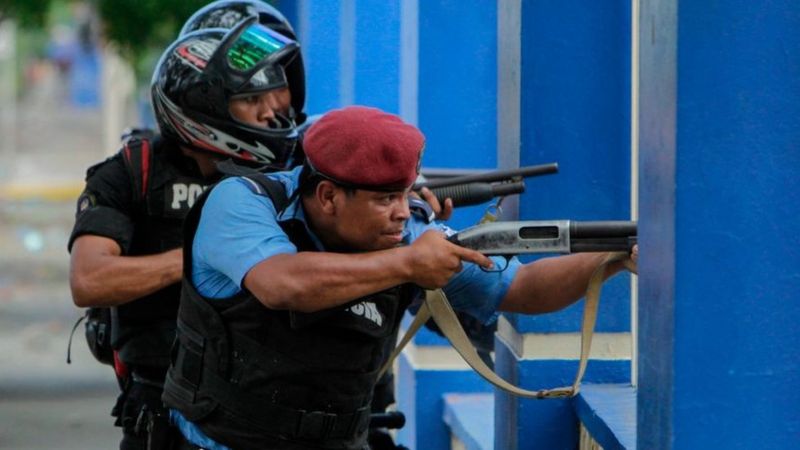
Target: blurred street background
{"type": "Point", "coordinates": [66, 93]}
{"type": "Point", "coordinates": [45, 403]}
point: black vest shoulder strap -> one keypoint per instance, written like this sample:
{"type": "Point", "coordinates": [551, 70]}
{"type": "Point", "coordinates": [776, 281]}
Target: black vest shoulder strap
{"type": "Point", "coordinates": [269, 188]}
{"type": "Point", "coordinates": [137, 152]}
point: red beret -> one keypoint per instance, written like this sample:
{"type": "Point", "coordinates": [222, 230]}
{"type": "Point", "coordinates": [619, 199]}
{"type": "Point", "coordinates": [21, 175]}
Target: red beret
{"type": "Point", "coordinates": [365, 148]}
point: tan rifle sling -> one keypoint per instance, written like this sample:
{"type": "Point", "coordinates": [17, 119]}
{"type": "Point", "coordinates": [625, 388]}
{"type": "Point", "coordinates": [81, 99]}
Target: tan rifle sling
{"type": "Point", "coordinates": [437, 306]}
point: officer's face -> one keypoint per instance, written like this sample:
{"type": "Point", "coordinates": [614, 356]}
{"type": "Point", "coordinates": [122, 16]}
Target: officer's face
{"type": "Point", "coordinates": [259, 110]}
{"type": "Point", "coordinates": [371, 220]}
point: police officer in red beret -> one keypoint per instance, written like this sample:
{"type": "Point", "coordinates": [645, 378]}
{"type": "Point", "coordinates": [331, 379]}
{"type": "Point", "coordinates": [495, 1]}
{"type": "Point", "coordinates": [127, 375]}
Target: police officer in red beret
{"type": "Point", "coordinates": [295, 282]}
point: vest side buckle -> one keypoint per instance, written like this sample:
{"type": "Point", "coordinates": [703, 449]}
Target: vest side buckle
{"type": "Point", "coordinates": [315, 425]}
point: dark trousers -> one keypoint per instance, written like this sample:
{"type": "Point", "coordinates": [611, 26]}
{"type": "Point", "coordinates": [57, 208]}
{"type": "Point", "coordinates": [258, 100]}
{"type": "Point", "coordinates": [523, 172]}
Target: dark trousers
{"type": "Point", "coordinates": [143, 418]}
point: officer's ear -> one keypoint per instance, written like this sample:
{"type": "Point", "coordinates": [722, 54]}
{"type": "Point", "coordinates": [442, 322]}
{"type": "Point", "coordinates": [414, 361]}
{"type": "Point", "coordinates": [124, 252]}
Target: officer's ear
{"type": "Point", "coordinates": [326, 195]}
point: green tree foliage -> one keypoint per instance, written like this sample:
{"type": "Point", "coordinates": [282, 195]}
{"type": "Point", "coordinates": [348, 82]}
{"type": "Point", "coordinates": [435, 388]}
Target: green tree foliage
{"type": "Point", "coordinates": [143, 28]}
{"type": "Point", "coordinates": [29, 13]}
{"type": "Point", "coordinates": [139, 26]}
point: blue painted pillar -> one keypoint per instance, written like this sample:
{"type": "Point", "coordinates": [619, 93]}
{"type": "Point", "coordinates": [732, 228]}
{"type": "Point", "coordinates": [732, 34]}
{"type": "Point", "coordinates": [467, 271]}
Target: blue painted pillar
{"type": "Point", "coordinates": [325, 29]}
{"type": "Point", "coordinates": [376, 73]}
{"type": "Point", "coordinates": [569, 103]}
{"type": "Point", "coordinates": [720, 260]}
{"type": "Point", "coordinates": [351, 50]}
{"type": "Point", "coordinates": [449, 84]}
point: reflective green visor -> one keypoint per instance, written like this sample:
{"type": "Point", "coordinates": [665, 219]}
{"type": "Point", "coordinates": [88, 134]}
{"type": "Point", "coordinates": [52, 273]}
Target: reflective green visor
{"type": "Point", "coordinates": [256, 44]}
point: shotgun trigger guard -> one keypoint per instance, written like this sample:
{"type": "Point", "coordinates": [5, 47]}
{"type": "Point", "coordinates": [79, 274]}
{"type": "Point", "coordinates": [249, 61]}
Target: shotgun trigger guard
{"type": "Point", "coordinates": [496, 269]}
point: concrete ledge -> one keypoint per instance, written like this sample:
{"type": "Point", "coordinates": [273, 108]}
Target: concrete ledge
{"type": "Point", "coordinates": [471, 419]}
{"type": "Point", "coordinates": [608, 411]}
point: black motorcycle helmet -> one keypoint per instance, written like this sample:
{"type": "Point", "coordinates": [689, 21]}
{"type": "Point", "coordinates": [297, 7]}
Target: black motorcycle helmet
{"type": "Point", "coordinates": [227, 13]}
{"type": "Point", "coordinates": [198, 75]}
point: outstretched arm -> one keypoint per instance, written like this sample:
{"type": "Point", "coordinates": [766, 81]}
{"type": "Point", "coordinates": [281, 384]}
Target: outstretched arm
{"type": "Point", "coordinates": [312, 281]}
{"type": "Point", "coordinates": [551, 284]}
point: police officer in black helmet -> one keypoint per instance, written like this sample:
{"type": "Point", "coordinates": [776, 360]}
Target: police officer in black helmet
{"type": "Point", "coordinates": [126, 243]}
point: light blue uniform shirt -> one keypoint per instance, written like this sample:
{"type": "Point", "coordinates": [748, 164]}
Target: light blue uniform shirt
{"type": "Point", "coordinates": [239, 228]}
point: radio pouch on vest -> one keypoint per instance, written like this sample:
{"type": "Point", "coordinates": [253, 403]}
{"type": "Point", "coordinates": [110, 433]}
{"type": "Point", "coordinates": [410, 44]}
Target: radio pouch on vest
{"type": "Point", "coordinates": [137, 155]}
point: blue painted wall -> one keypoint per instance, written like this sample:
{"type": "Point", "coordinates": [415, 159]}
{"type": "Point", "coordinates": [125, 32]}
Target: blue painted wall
{"type": "Point", "coordinates": [575, 110]}
{"type": "Point", "coordinates": [351, 51]}
{"type": "Point", "coordinates": [720, 213]}
{"type": "Point", "coordinates": [576, 107]}
{"type": "Point", "coordinates": [420, 397]}
{"type": "Point", "coordinates": [377, 55]}
{"type": "Point", "coordinates": [552, 424]}
{"type": "Point", "coordinates": [457, 89]}
{"type": "Point", "coordinates": [318, 26]}
{"type": "Point", "coordinates": [291, 10]}
{"type": "Point", "coordinates": [458, 84]}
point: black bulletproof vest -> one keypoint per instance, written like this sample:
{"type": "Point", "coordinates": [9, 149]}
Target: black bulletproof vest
{"type": "Point", "coordinates": [253, 378]}
{"type": "Point", "coordinates": [168, 184]}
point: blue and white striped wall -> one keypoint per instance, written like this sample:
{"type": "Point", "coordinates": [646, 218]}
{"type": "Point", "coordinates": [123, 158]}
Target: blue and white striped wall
{"type": "Point", "coordinates": [704, 101]}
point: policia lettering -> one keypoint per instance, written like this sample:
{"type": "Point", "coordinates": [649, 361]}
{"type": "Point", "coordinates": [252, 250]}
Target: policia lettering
{"type": "Point", "coordinates": [183, 196]}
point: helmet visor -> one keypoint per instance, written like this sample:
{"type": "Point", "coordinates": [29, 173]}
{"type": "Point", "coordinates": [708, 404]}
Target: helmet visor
{"type": "Point", "coordinates": [255, 45]}
{"type": "Point", "coordinates": [256, 59]}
